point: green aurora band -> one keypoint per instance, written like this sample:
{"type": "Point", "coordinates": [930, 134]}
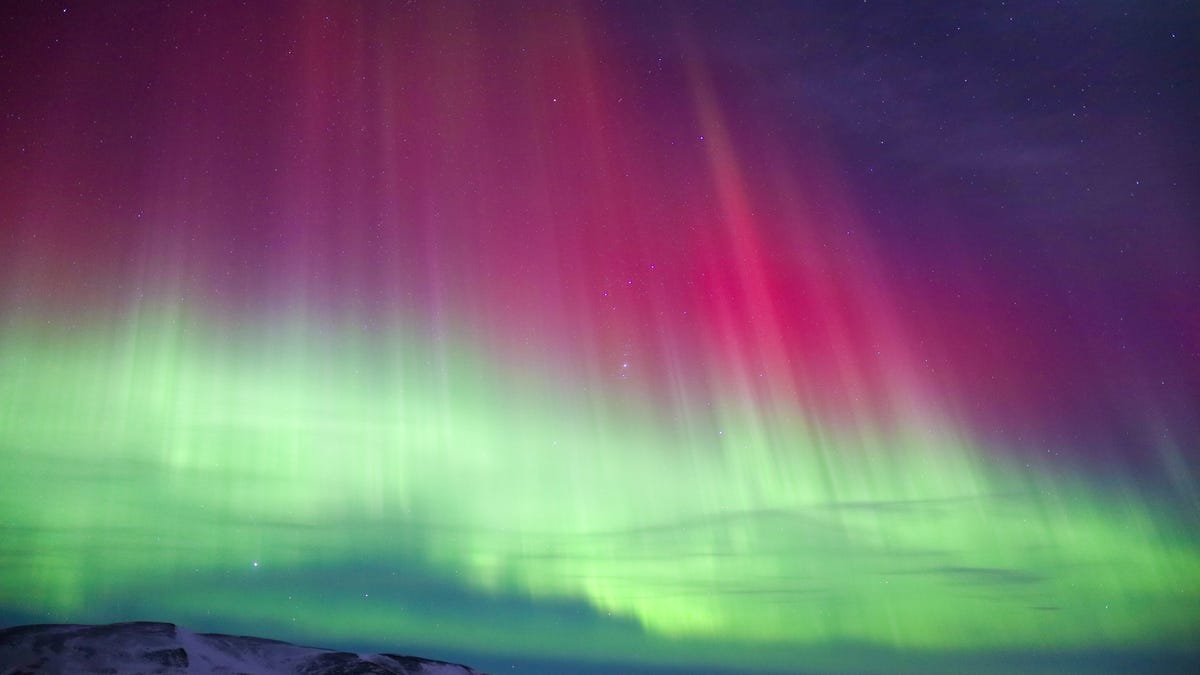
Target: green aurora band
{"type": "Point", "coordinates": [384, 486]}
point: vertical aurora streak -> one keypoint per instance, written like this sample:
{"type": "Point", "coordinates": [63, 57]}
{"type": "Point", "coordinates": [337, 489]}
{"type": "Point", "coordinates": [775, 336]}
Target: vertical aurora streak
{"type": "Point", "coordinates": [547, 335]}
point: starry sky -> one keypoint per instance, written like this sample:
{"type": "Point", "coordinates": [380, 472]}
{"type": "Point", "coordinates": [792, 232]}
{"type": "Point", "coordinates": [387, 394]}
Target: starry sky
{"type": "Point", "coordinates": [579, 336]}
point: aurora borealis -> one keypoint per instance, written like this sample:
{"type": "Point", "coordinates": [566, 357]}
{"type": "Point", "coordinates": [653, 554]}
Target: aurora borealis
{"type": "Point", "coordinates": [595, 337]}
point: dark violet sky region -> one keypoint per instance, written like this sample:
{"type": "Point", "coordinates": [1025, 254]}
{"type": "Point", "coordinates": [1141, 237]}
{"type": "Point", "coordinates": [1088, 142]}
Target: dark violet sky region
{"type": "Point", "coordinates": [646, 337]}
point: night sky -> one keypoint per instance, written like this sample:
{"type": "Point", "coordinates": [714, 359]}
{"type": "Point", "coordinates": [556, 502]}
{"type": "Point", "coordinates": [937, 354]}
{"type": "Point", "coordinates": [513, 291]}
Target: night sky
{"type": "Point", "coordinates": [660, 337]}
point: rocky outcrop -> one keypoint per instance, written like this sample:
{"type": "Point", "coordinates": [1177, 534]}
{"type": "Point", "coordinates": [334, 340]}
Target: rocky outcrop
{"type": "Point", "coordinates": [165, 649]}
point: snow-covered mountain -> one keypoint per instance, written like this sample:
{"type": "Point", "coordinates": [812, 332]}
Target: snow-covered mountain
{"type": "Point", "coordinates": [165, 649]}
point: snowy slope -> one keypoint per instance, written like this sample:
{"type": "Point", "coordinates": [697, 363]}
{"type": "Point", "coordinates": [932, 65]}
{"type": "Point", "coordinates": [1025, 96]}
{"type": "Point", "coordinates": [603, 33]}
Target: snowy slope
{"type": "Point", "coordinates": [165, 649]}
